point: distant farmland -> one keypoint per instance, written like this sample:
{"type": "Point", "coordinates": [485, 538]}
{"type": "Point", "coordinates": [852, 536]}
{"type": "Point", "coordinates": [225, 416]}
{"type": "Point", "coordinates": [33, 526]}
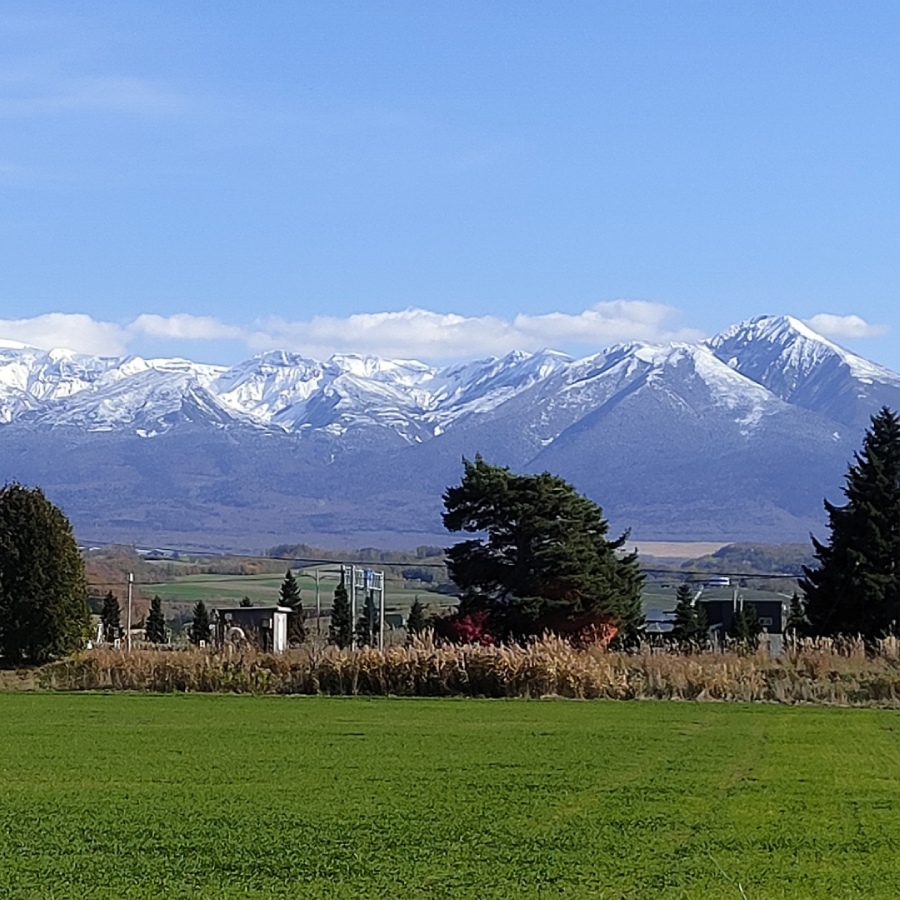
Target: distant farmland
{"type": "Point", "coordinates": [263, 589]}
{"type": "Point", "coordinates": [180, 594]}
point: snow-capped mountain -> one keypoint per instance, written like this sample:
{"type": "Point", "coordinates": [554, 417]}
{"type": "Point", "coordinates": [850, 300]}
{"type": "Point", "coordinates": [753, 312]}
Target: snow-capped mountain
{"type": "Point", "coordinates": [738, 436]}
{"type": "Point", "coordinates": [802, 367]}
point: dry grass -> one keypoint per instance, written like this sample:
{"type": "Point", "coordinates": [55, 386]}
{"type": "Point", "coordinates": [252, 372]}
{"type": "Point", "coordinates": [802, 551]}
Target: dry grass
{"type": "Point", "coordinates": [828, 672]}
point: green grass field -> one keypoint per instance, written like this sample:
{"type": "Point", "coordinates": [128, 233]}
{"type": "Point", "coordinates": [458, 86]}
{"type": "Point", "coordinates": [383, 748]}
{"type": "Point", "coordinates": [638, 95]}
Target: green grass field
{"type": "Point", "coordinates": [132, 795]}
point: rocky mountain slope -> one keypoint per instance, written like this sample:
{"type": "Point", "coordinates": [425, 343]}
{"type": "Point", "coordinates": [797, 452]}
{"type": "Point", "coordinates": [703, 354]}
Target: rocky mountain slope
{"type": "Point", "coordinates": [739, 437]}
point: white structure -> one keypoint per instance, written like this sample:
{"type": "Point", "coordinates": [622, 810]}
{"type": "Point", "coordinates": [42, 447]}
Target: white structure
{"type": "Point", "coordinates": [264, 627]}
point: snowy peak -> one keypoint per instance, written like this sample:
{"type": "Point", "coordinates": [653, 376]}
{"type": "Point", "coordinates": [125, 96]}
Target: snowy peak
{"type": "Point", "coordinates": [747, 372]}
{"type": "Point", "coordinates": [692, 377]}
{"type": "Point", "coordinates": [801, 367]}
{"type": "Point", "coordinates": [769, 345]}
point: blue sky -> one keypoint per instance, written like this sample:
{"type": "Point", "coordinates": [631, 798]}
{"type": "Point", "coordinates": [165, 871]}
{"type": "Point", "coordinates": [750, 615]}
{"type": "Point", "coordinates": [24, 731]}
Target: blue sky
{"type": "Point", "coordinates": [445, 179]}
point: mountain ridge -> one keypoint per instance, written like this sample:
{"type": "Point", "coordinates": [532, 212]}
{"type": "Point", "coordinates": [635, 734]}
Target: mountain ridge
{"type": "Point", "coordinates": [736, 437]}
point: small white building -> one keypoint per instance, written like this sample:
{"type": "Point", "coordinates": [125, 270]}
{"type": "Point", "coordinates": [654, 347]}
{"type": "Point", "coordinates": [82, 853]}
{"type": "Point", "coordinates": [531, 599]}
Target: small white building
{"type": "Point", "coordinates": [262, 627]}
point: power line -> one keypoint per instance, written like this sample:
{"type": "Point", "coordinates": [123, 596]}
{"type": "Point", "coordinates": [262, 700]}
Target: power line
{"type": "Point", "coordinates": [711, 573]}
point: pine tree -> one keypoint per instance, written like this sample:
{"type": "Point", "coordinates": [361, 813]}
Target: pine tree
{"type": "Point", "coordinates": [367, 625]}
{"type": "Point", "coordinates": [110, 617]}
{"type": "Point", "coordinates": [340, 628]}
{"type": "Point", "coordinates": [155, 632]}
{"type": "Point", "coordinates": [415, 621]}
{"type": "Point", "coordinates": [545, 563]}
{"type": "Point", "coordinates": [855, 590]}
{"type": "Point", "coordinates": [199, 630]}
{"type": "Point", "coordinates": [289, 596]}
{"type": "Point", "coordinates": [795, 626]}
{"type": "Point", "coordinates": [43, 590]}
{"type": "Point", "coordinates": [745, 627]}
{"type": "Point", "coordinates": [690, 619]}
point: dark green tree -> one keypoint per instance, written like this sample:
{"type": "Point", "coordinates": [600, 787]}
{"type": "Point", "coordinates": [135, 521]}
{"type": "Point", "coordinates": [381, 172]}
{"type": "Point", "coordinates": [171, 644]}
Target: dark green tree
{"type": "Point", "coordinates": [367, 625]}
{"type": "Point", "coordinates": [546, 562]}
{"type": "Point", "coordinates": [246, 601]}
{"type": "Point", "coordinates": [795, 625]}
{"type": "Point", "coordinates": [289, 596]}
{"type": "Point", "coordinates": [199, 630]}
{"type": "Point", "coordinates": [690, 619]}
{"type": "Point", "coordinates": [745, 627]}
{"type": "Point", "coordinates": [340, 627]}
{"type": "Point", "coordinates": [155, 630]}
{"type": "Point", "coordinates": [43, 591]}
{"type": "Point", "coordinates": [416, 621]}
{"type": "Point", "coordinates": [110, 617]}
{"type": "Point", "coordinates": [855, 590]}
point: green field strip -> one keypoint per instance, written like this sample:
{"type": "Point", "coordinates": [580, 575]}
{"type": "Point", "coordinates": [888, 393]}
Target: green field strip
{"type": "Point", "coordinates": [213, 796]}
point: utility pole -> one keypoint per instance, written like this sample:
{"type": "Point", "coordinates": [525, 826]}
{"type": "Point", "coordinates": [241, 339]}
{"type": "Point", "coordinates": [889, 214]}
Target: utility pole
{"type": "Point", "coordinates": [128, 614]}
{"type": "Point", "coordinates": [352, 607]}
{"type": "Point", "coordinates": [318, 606]}
{"type": "Point", "coordinates": [381, 617]}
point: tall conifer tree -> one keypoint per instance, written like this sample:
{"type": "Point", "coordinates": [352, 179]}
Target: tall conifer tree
{"type": "Point", "coordinates": [367, 626]}
{"type": "Point", "coordinates": [289, 596]}
{"type": "Point", "coordinates": [199, 630]}
{"type": "Point", "coordinates": [746, 627]}
{"type": "Point", "coordinates": [690, 619]}
{"type": "Point", "coordinates": [155, 632]}
{"type": "Point", "coordinates": [856, 587]}
{"type": "Point", "coordinates": [415, 621]}
{"type": "Point", "coordinates": [110, 617]}
{"type": "Point", "coordinates": [340, 628]}
{"type": "Point", "coordinates": [796, 624]}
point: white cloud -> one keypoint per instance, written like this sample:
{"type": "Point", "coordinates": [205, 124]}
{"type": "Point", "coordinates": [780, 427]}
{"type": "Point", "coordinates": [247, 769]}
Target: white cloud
{"type": "Point", "coordinates": [410, 333]}
{"type": "Point", "coordinates": [606, 323]}
{"type": "Point", "coordinates": [70, 331]}
{"type": "Point", "coordinates": [184, 326]}
{"type": "Point", "coordinates": [845, 326]}
{"type": "Point", "coordinates": [420, 333]}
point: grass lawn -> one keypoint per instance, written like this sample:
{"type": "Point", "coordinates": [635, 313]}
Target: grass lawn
{"type": "Point", "coordinates": [129, 795]}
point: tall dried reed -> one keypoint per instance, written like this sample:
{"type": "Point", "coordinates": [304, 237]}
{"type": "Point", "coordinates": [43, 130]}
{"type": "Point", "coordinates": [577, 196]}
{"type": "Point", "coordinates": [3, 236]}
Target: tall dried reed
{"type": "Point", "coordinates": [829, 672]}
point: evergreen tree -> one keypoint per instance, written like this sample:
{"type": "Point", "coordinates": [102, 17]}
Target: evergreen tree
{"type": "Point", "coordinates": [199, 630]}
{"type": "Point", "coordinates": [856, 587]}
{"type": "Point", "coordinates": [795, 626]}
{"type": "Point", "coordinates": [110, 617]}
{"type": "Point", "coordinates": [545, 562]}
{"type": "Point", "coordinates": [246, 602]}
{"type": "Point", "coordinates": [415, 621]}
{"type": "Point", "coordinates": [745, 627]}
{"type": "Point", "coordinates": [43, 591]}
{"type": "Point", "coordinates": [367, 625]}
{"type": "Point", "coordinates": [155, 631]}
{"type": "Point", "coordinates": [289, 596]}
{"type": "Point", "coordinates": [690, 619]}
{"type": "Point", "coordinates": [340, 628]}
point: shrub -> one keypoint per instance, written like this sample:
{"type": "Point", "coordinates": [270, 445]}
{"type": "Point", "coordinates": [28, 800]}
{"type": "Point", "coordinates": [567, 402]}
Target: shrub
{"type": "Point", "coordinates": [832, 672]}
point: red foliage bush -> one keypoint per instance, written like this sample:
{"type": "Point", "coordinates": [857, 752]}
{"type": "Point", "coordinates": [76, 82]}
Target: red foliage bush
{"type": "Point", "coordinates": [471, 628]}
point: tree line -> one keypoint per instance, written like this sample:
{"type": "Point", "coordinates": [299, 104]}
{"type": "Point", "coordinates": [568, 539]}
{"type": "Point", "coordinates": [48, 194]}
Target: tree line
{"type": "Point", "coordinates": [540, 558]}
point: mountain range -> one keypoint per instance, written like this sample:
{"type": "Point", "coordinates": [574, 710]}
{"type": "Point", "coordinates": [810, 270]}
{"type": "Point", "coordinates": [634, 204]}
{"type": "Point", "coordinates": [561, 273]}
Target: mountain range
{"type": "Point", "coordinates": [736, 438]}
